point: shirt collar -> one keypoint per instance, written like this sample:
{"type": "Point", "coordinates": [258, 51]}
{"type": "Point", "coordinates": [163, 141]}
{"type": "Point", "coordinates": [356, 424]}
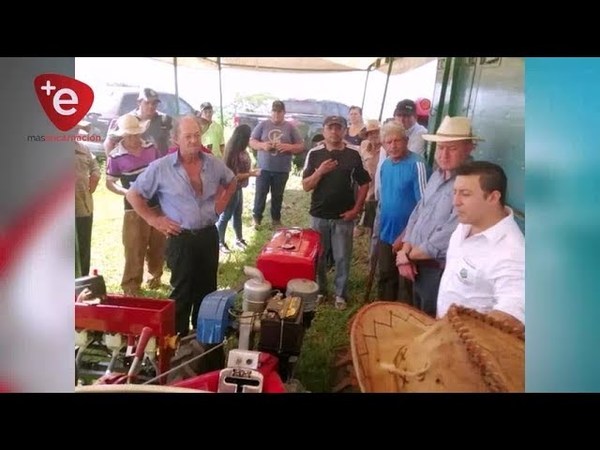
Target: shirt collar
{"type": "Point", "coordinates": [409, 130]}
{"type": "Point", "coordinates": [119, 150]}
{"type": "Point", "coordinates": [495, 232]}
{"type": "Point", "coordinates": [442, 174]}
{"type": "Point", "coordinates": [175, 157]}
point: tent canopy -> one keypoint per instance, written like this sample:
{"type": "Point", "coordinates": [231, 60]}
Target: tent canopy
{"type": "Point", "coordinates": [299, 64]}
{"type": "Point", "coordinates": [304, 64]}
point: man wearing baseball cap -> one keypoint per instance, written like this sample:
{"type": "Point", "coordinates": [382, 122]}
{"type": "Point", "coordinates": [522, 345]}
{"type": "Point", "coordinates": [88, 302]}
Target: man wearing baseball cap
{"type": "Point", "coordinates": [405, 114]}
{"type": "Point", "coordinates": [331, 170]}
{"type": "Point", "coordinates": [275, 141]}
{"type": "Point", "coordinates": [157, 130]}
{"type": "Point", "coordinates": [213, 137]}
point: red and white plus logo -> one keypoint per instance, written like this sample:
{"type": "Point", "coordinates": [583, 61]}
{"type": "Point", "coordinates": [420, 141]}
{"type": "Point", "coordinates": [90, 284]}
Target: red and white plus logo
{"type": "Point", "coordinates": [64, 99]}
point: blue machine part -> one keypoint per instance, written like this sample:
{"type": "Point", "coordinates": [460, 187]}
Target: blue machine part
{"type": "Point", "coordinates": [213, 316]}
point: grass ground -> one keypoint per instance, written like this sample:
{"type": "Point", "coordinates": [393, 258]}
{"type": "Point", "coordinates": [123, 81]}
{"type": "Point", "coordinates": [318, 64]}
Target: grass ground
{"type": "Point", "coordinates": [329, 329]}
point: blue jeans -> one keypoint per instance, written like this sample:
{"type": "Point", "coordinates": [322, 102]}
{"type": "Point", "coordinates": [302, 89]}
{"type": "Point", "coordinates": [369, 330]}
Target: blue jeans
{"type": "Point", "coordinates": [275, 182]}
{"type": "Point", "coordinates": [234, 208]}
{"type": "Point", "coordinates": [336, 235]}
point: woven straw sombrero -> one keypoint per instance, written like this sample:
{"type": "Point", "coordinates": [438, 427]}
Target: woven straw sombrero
{"type": "Point", "coordinates": [397, 348]}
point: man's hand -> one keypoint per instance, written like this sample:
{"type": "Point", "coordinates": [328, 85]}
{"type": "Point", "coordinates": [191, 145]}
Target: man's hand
{"type": "Point", "coordinates": [408, 271]}
{"type": "Point", "coordinates": [351, 214]}
{"type": "Point", "coordinates": [283, 148]}
{"type": "Point", "coordinates": [166, 226]}
{"type": "Point", "coordinates": [401, 257]}
{"type": "Point", "coordinates": [397, 245]}
{"type": "Point", "coordinates": [311, 182]}
{"type": "Point", "coordinates": [327, 166]}
{"type": "Point", "coordinates": [93, 183]}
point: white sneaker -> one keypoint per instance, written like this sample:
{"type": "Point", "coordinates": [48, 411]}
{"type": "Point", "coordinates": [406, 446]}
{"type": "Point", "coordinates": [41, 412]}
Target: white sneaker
{"type": "Point", "coordinates": [340, 303]}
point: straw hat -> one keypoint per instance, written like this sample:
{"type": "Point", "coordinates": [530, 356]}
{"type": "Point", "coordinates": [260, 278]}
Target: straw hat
{"type": "Point", "coordinates": [129, 124]}
{"type": "Point", "coordinates": [397, 348]}
{"type": "Point", "coordinates": [372, 125]}
{"type": "Point", "coordinates": [453, 129]}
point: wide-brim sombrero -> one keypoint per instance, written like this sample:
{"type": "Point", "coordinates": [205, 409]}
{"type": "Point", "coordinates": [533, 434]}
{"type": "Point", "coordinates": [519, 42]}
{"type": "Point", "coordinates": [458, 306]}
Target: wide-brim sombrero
{"type": "Point", "coordinates": [397, 348]}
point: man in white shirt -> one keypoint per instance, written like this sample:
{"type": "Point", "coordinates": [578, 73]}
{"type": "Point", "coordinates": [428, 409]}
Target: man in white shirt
{"type": "Point", "coordinates": [405, 114]}
{"type": "Point", "coordinates": [485, 263]}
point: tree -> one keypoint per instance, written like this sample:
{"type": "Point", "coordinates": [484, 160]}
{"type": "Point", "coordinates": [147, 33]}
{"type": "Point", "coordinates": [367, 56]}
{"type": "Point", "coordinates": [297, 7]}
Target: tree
{"type": "Point", "coordinates": [252, 103]}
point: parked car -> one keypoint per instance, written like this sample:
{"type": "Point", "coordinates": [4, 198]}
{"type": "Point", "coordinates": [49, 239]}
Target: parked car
{"type": "Point", "coordinates": [113, 104]}
{"type": "Point", "coordinates": [307, 115]}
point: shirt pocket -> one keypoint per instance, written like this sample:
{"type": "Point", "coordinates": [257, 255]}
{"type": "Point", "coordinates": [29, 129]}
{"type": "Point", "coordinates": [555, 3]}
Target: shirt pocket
{"type": "Point", "coordinates": [468, 271]}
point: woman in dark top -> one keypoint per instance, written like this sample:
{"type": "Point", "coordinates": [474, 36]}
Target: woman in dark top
{"type": "Point", "coordinates": [238, 160]}
{"type": "Point", "coordinates": [356, 127]}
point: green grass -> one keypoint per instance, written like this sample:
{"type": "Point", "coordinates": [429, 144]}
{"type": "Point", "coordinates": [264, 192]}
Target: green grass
{"type": "Point", "coordinates": [329, 329]}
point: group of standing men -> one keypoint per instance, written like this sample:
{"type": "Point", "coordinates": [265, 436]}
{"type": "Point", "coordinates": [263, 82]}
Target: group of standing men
{"type": "Point", "coordinates": [444, 235]}
{"type": "Point", "coordinates": [172, 203]}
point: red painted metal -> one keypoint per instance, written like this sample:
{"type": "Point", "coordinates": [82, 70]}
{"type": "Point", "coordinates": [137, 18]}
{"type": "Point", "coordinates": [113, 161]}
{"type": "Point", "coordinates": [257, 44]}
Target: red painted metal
{"type": "Point", "coordinates": [291, 253]}
{"type": "Point", "coordinates": [128, 316]}
{"type": "Point", "coordinates": [272, 383]}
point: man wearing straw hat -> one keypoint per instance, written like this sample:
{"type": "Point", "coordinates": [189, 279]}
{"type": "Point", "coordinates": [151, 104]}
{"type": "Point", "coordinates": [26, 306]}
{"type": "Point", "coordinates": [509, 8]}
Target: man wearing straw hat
{"type": "Point", "coordinates": [142, 242]}
{"type": "Point", "coordinates": [422, 256]}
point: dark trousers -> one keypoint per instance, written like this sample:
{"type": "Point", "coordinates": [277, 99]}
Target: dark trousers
{"type": "Point", "coordinates": [426, 287]}
{"type": "Point", "coordinates": [391, 286]}
{"type": "Point", "coordinates": [275, 182]}
{"type": "Point", "coordinates": [193, 260]}
{"type": "Point", "coordinates": [83, 225]}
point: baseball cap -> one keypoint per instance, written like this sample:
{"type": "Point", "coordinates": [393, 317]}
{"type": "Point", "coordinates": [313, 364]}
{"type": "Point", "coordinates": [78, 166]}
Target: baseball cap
{"type": "Point", "coordinates": [405, 106]}
{"type": "Point", "coordinates": [278, 106]}
{"type": "Point", "coordinates": [335, 119]}
{"type": "Point", "coordinates": [148, 94]}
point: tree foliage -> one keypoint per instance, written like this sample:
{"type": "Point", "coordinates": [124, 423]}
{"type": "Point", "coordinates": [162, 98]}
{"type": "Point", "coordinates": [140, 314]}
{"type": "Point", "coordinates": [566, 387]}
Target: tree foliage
{"type": "Point", "coordinates": [252, 103]}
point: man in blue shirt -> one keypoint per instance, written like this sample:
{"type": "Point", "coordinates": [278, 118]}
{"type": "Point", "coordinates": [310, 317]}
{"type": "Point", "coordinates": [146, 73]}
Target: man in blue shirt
{"type": "Point", "coordinates": [187, 184]}
{"type": "Point", "coordinates": [403, 178]}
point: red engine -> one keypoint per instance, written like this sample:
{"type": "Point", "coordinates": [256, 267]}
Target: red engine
{"type": "Point", "coordinates": [291, 253]}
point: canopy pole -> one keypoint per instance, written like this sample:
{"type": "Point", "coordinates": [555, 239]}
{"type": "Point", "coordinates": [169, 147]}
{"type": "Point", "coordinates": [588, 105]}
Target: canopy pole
{"type": "Point", "coordinates": [362, 106]}
{"type": "Point", "coordinates": [176, 84]}
{"type": "Point", "coordinates": [439, 108]}
{"type": "Point", "coordinates": [387, 80]}
{"type": "Point", "coordinates": [220, 91]}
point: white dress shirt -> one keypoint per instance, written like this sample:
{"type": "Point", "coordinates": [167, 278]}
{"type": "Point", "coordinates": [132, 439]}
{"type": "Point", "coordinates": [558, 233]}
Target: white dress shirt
{"type": "Point", "coordinates": [377, 182]}
{"type": "Point", "coordinates": [416, 143]}
{"type": "Point", "coordinates": [485, 271]}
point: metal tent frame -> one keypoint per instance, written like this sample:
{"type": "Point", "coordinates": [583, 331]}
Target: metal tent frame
{"type": "Point", "coordinates": [389, 65]}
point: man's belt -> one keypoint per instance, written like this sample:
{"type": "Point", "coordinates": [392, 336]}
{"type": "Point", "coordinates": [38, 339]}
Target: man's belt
{"type": "Point", "coordinates": [195, 231]}
{"type": "Point", "coordinates": [430, 263]}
